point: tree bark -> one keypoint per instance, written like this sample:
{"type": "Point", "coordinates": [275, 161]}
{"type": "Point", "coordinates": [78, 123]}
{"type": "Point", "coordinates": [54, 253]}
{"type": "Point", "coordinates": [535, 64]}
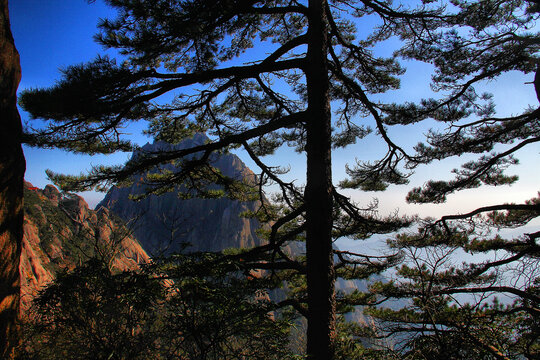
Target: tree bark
{"type": "Point", "coordinates": [12, 168]}
{"type": "Point", "coordinates": [318, 193]}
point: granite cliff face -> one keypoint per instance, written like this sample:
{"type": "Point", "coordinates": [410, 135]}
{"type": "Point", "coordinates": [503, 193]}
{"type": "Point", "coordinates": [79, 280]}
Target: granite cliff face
{"type": "Point", "coordinates": [162, 223]}
{"type": "Point", "coordinates": [61, 232]}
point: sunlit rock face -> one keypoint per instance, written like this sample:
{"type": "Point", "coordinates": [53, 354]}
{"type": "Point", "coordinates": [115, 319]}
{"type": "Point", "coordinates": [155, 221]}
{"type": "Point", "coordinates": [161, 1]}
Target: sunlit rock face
{"type": "Point", "coordinates": [164, 223]}
{"type": "Point", "coordinates": [61, 232]}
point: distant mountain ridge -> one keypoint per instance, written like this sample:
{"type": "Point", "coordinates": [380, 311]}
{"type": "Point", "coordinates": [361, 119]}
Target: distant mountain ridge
{"type": "Point", "coordinates": [163, 223]}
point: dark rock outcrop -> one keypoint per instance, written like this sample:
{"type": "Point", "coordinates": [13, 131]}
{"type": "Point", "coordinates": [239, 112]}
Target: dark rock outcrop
{"type": "Point", "coordinates": [163, 223]}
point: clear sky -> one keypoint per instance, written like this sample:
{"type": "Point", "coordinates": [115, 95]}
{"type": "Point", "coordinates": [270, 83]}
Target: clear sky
{"type": "Point", "coordinates": [50, 35]}
{"type": "Point", "coordinates": [55, 33]}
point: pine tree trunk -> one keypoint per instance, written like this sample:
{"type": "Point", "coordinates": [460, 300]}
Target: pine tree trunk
{"type": "Point", "coordinates": [12, 167]}
{"type": "Point", "coordinates": [318, 193]}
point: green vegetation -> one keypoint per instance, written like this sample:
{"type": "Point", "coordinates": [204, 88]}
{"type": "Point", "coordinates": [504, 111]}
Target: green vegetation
{"type": "Point", "coordinates": [68, 240]}
{"type": "Point", "coordinates": [91, 313]}
{"type": "Point", "coordinates": [454, 311]}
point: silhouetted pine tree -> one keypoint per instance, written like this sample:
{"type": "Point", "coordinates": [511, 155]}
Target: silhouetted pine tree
{"type": "Point", "coordinates": [259, 75]}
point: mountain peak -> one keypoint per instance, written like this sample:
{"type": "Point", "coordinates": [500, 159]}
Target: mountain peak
{"type": "Point", "coordinates": [164, 223]}
{"type": "Point", "coordinates": [159, 145]}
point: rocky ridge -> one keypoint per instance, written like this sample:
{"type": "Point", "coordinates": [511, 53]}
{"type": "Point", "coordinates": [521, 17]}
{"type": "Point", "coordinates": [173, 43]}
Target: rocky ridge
{"type": "Point", "coordinates": [60, 232]}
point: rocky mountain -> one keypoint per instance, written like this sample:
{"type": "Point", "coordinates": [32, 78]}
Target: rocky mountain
{"type": "Point", "coordinates": [60, 232]}
{"type": "Point", "coordinates": [163, 223]}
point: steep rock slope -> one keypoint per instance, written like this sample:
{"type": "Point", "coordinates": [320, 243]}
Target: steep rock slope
{"type": "Point", "coordinates": [61, 232]}
{"type": "Point", "coordinates": [163, 223]}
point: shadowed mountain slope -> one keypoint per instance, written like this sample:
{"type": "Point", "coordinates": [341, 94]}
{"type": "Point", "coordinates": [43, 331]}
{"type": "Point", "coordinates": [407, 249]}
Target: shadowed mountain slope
{"type": "Point", "coordinates": [163, 223]}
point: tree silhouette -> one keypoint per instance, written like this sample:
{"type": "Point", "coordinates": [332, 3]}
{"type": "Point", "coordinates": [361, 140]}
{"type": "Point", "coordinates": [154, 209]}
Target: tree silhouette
{"type": "Point", "coordinates": [259, 75]}
{"type": "Point", "coordinates": [454, 309]}
{"type": "Point", "coordinates": [177, 308]}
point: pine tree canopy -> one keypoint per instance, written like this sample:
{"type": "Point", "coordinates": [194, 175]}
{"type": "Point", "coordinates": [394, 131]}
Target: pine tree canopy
{"type": "Point", "coordinates": [260, 75]}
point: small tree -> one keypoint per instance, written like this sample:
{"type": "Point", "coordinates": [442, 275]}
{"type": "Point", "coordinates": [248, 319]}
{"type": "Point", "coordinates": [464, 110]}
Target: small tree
{"type": "Point", "coordinates": [91, 313]}
{"type": "Point", "coordinates": [220, 310]}
{"type": "Point", "coordinates": [315, 58]}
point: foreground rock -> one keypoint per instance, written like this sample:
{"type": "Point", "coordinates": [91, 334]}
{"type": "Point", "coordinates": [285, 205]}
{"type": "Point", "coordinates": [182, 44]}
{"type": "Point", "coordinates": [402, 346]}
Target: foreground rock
{"type": "Point", "coordinates": [12, 166]}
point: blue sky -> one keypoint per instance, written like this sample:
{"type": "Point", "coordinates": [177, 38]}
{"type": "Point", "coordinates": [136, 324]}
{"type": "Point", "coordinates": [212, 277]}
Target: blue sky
{"type": "Point", "coordinates": [55, 33]}
{"type": "Point", "coordinates": [50, 35]}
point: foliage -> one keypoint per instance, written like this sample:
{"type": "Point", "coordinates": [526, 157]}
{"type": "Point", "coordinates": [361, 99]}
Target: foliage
{"type": "Point", "coordinates": [91, 313]}
{"type": "Point", "coordinates": [314, 88]}
{"type": "Point", "coordinates": [454, 309]}
{"type": "Point", "coordinates": [47, 218]}
{"type": "Point", "coordinates": [216, 311]}
{"type": "Point", "coordinates": [96, 234]}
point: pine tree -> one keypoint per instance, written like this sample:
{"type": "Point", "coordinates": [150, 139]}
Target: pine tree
{"type": "Point", "coordinates": [454, 309]}
{"type": "Point", "coordinates": [307, 79]}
